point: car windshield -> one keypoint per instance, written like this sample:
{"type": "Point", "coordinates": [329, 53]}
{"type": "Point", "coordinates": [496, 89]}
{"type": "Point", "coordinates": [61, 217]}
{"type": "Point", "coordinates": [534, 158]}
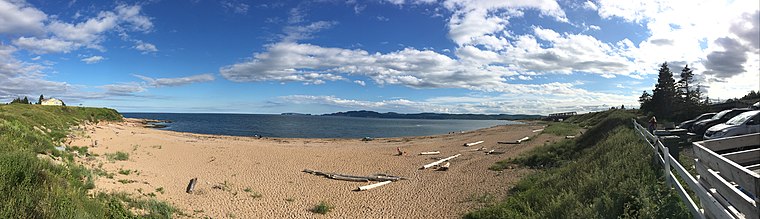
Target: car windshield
{"type": "Point", "coordinates": [741, 118]}
{"type": "Point", "coordinates": [704, 116]}
{"type": "Point", "coordinates": [720, 114]}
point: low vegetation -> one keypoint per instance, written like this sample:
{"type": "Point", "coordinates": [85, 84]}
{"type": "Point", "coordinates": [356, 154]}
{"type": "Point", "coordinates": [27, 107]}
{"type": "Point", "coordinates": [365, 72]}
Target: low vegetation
{"type": "Point", "coordinates": [37, 188]}
{"type": "Point", "coordinates": [121, 156]}
{"type": "Point", "coordinates": [561, 129]}
{"type": "Point", "coordinates": [604, 173]}
{"type": "Point", "coordinates": [322, 208]}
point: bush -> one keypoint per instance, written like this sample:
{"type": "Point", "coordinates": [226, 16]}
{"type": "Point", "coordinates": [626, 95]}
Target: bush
{"type": "Point", "coordinates": [118, 156]}
{"type": "Point", "coordinates": [322, 208]}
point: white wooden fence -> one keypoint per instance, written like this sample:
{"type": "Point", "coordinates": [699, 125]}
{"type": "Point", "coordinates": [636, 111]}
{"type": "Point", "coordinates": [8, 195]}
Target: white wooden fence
{"type": "Point", "coordinates": [718, 197]}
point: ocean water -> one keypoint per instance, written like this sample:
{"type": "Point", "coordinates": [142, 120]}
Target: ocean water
{"type": "Point", "coordinates": [302, 126]}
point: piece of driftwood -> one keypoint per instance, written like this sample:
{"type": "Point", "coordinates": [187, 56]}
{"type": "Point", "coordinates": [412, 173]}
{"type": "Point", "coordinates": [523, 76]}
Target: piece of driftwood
{"type": "Point", "coordinates": [538, 130]}
{"type": "Point", "coordinates": [514, 142]}
{"type": "Point", "coordinates": [439, 161]}
{"type": "Point", "coordinates": [473, 143]}
{"type": "Point", "coordinates": [191, 185]}
{"type": "Point", "coordinates": [372, 186]}
{"type": "Point", "coordinates": [430, 153]}
{"type": "Point", "coordinates": [338, 176]}
{"type": "Point", "coordinates": [444, 167]}
{"type": "Point", "coordinates": [489, 152]}
{"type": "Point", "coordinates": [570, 137]}
{"type": "Point", "coordinates": [477, 149]}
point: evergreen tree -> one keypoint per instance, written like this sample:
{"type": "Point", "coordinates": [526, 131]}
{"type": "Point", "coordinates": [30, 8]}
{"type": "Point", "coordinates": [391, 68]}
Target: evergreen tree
{"type": "Point", "coordinates": [645, 102]}
{"type": "Point", "coordinates": [664, 93]}
{"type": "Point", "coordinates": [41, 98]}
{"type": "Point", "coordinates": [684, 85]}
{"type": "Point", "coordinates": [25, 100]}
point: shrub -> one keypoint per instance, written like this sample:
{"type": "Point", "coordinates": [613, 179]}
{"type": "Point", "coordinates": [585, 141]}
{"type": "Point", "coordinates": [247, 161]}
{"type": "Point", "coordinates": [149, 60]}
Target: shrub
{"type": "Point", "coordinates": [322, 208]}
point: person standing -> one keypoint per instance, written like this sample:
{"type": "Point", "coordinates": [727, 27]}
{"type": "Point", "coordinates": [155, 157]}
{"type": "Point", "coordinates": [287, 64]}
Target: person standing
{"type": "Point", "coordinates": [652, 124]}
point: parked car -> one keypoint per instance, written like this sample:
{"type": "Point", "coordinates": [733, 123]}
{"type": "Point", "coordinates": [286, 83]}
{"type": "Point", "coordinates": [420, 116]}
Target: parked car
{"type": "Point", "coordinates": [745, 123]}
{"type": "Point", "coordinates": [699, 128]}
{"type": "Point", "coordinates": [688, 123]}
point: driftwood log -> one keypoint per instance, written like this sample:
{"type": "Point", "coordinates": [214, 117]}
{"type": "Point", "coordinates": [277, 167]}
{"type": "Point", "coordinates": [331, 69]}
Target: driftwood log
{"type": "Point", "coordinates": [430, 153]}
{"type": "Point", "coordinates": [339, 176]}
{"type": "Point", "coordinates": [191, 185]}
{"type": "Point", "coordinates": [372, 186]}
{"type": "Point", "coordinates": [472, 144]}
{"type": "Point", "coordinates": [439, 161]}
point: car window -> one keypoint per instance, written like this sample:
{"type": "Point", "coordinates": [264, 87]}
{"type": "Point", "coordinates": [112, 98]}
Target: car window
{"type": "Point", "coordinates": [720, 114]}
{"type": "Point", "coordinates": [741, 118]}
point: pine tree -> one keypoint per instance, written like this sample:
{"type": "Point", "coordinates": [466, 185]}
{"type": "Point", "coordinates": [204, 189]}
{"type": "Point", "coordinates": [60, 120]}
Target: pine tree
{"type": "Point", "coordinates": [25, 100]}
{"type": "Point", "coordinates": [664, 93]}
{"type": "Point", "coordinates": [645, 102]}
{"type": "Point", "coordinates": [41, 98]}
{"type": "Point", "coordinates": [684, 85]}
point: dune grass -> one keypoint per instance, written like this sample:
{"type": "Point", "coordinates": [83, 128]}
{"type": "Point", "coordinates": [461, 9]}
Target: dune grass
{"type": "Point", "coordinates": [37, 188]}
{"type": "Point", "coordinates": [561, 128]}
{"type": "Point", "coordinates": [605, 173]}
{"type": "Point", "coordinates": [322, 208]}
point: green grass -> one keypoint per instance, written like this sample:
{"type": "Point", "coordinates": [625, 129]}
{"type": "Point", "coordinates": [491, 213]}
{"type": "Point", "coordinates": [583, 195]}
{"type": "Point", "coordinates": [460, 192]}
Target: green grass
{"type": "Point", "coordinates": [160, 190]}
{"type": "Point", "coordinates": [561, 129]}
{"type": "Point", "coordinates": [322, 208]}
{"type": "Point", "coordinates": [36, 188]}
{"type": "Point", "coordinates": [117, 156]}
{"type": "Point", "coordinates": [605, 173]}
{"type": "Point", "coordinates": [125, 172]}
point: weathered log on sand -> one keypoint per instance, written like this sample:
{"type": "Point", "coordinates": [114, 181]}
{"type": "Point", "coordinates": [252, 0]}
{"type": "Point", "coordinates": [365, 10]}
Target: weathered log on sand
{"type": "Point", "coordinates": [471, 144]}
{"type": "Point", "coordinates": [538, 130]}
{"type": "Point", "coordinates": [372, 186]}
{"type": "Point", "coordinates": [191, 185]}
{"type": "Point", "coordinates": [477, 149]}
{"type": "Point", "coordinates": [439, 161]}
{"type": "Point", "coordinates": [444, 167]}
{"type": "Point", "coordinates": [570, 137]}
{"type": "Point", "coordinates": [508, 142]}
{"type": "Point", "coordinates": [338, 176]}
{"type": "Point", "coordinates": [430, 153]}
{"type": "Point", "coordinates": [489, 152]}
{"type": "Point", "coordinates": [523, 139]}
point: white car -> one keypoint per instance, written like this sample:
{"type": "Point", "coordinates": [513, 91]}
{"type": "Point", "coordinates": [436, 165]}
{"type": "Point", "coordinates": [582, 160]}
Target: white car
{"type": "Point", "coordinates": [745, 123]}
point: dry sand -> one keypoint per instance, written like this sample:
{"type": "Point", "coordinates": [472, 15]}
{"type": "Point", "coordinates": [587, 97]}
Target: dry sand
{"type": "Point", "coordinates": [264, 178]}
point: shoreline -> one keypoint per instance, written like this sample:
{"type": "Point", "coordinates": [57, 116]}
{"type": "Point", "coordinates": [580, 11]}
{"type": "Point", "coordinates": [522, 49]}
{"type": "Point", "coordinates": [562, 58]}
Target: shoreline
{"type": "Point", "coordinates": [248, 177]}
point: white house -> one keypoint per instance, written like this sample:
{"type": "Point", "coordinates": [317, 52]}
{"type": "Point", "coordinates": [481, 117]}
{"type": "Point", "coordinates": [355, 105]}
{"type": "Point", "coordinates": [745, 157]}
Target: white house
{"type": "Point", "coordinates": [52, 102]}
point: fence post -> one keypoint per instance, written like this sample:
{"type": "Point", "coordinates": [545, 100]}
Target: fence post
{"type": "Point", "coordinates": [666, 157]}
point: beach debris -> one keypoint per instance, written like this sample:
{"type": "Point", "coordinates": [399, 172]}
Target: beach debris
{"type": "Point", "coordinates": [367, 139]}
{"type": "Point", "coordinates": [430, 153]}
{"type": "Point", "coordinates": [444, 167]}
{"type": "Point", "coordinates": [372, 186]}
{"type": "Point", "coordinates": [514, 142]}
{"type": "Point", "coordinates": [473, 143]}
{"type": "Point", "coordinates": [191, 185]}
{"type": "Point", "coordinates": [61, 148]}
{"type": "Point", "coordinates": [570, 137]}
{"type": "Point", "coordinates": [439, 161]}
{"type": "Point", "coordinates": [399, 152]}
{"type": "Point", "coordinates": [538, 130]}
{"type": "Point", "coordinates": [338, 176]}
{"type": "Point", "coordinates": [489, 152]}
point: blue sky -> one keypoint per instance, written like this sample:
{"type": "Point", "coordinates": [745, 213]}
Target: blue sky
{"type": "Point", "coordinates": [454, 56]}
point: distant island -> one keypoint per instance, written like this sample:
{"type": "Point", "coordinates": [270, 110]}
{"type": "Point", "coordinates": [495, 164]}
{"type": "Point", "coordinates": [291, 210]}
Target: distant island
{"type": "Point", "coordinates": [392, 115]}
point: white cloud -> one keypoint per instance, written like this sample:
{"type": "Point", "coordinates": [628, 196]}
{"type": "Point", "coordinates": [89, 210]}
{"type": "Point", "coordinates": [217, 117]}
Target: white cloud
{"type": "Point", "coordinates": [295, 33]}
{"type": "Point", "coordinates": [590, 6]}
{"type": "Point", "coordinates": [171, 82]}
{"type": "Point", "coordinates": [594, 27]}
{"type": "Point", "coordinates": [503, 103]}
{"type": "Point", "coordinates": [56, 36]}
{"type": "Point", "coordinates": [360, 82]}
{"type": "Point", "coordinates": [235, 7]}
{"type": "Point", "coordinates": [43, 46]}
{"type": "Point", "coordinates": [16, 17]}
{"type": "Point", "coordinates": [124, 89]}
{"type": "Point", "coordinates": [145, 47]}
{"type": "Point", "coordinates": [93, 59]}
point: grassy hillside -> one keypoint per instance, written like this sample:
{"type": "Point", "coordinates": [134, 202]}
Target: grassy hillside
{"type": "Point", "coordinates": [605, 173]}
{"type": "Point", "coordinates": [31, 187]}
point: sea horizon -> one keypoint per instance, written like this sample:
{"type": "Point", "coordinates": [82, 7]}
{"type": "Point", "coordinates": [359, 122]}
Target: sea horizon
{"type": "Point", "coordinates": [311, 126]}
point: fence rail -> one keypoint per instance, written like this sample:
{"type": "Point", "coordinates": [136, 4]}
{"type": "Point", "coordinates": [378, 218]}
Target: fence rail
{"type": "Point", "coordinates": [714, 186]}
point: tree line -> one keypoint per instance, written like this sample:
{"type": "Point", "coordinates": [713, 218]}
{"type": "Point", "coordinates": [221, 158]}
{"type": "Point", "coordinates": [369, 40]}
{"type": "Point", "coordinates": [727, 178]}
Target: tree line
{"type": "Point", "coordinates": [25, 100]}
{"type": "Point", "coordinates": [679, 100]}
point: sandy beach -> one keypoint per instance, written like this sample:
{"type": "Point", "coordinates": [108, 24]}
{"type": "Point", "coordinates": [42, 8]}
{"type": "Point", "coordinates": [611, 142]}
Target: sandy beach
{"type": "Point", "coordinates": [245, 177]}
